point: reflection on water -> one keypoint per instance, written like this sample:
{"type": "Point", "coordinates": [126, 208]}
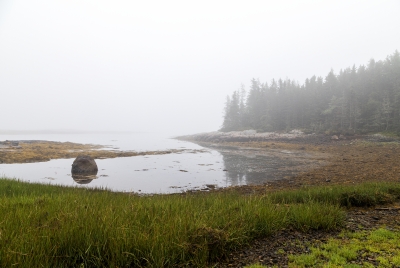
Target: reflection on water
{"type": "Point", "coordinates": [84, 169]}
{"type": "Point", "coordinates": [245, 169]}
{"type": "Point", "coordinates": [255, 166]}
{"type": "Point", "coordinates": [171, 173]}
{"type": "Point", "coordinates": [83, 179]}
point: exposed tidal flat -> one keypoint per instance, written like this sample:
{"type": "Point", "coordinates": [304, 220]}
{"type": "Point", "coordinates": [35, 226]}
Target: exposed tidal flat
{"type": "Point", "coordinates": [315, 159]}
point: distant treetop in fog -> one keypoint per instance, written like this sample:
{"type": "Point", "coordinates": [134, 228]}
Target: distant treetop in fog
{"type": "Point", "coordinates": [357, 100]}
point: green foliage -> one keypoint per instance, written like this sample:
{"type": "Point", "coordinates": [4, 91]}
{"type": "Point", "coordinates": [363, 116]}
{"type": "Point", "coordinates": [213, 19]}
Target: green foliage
{"type": "Point", "coordinates": [314, 215]}
{"type": "Point", "coordinates": [380, 245]}
{"type": "Point", "coordinates": [357, 100]}
{"type": "Point", "coordinates": [255, 266]}
{"type": "Point", "coordinates": [366, 194]}
{"type": "Point", "coordinates": [52, 226]}
{"type": "Point", "coordinates": [303, 260]}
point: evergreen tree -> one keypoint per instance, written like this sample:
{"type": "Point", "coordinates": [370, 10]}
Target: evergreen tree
{"type": "Point", "coordinates": [356, 100]}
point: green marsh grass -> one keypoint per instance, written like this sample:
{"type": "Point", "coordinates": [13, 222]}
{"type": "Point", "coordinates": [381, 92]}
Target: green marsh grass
{"type": "Point", "coordinates": [380, 245]}
{"type": "Point", "coordinates": [55, 226]}
{"type": "Point", "coordinates": [358, 195]}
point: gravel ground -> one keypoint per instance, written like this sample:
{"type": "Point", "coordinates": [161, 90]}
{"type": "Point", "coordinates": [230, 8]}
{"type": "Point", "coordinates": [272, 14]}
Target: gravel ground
{"type": "Point", "coordinates": [274, 250]}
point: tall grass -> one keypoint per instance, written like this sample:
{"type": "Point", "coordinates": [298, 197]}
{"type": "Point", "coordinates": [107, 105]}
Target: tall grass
{"type": "Point", "coordinates": [54, 226]}
{"type": "Point", "coordinates": [365, 194]}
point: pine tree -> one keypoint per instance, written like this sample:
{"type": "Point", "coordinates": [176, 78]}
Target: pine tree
{"type": "Point", "coordinates": [360, 99]}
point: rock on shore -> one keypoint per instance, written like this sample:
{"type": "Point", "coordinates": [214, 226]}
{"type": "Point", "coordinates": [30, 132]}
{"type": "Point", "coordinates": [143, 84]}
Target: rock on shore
{"type": "Point", "coordinates": [244, 136]}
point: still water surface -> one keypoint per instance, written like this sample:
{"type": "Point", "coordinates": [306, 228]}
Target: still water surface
{"type": "Point", "coordinates": [168, 173]}
{"type": "Point", "coordinates": [146, 174]}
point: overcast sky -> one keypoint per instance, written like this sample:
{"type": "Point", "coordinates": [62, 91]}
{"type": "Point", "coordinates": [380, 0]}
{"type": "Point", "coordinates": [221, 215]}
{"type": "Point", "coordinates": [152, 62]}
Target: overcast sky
{"type": "Point", "coordinates": [168, 65]}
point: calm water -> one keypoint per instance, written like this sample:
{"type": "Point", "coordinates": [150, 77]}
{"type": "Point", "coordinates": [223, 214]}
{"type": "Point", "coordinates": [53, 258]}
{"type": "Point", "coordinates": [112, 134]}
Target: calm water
{"type": "Point", "coordinates": [168, 173]}
{"type": "Point", "coordinates": [147, 174]}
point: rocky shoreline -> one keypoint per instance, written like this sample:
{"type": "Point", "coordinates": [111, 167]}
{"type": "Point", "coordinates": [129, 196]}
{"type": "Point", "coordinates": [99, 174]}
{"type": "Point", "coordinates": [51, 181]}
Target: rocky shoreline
{"type": "Point", "coordinates": [294, 136]}
{"type": "Point", "coordinates": [247, 136]}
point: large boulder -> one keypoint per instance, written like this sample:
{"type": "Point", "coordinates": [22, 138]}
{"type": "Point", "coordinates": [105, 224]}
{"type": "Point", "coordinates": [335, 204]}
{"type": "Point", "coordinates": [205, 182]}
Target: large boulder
{"type": "Point", "coordinates": [84, 169]}
{"type": "Point", "coordinates": [84, 164]}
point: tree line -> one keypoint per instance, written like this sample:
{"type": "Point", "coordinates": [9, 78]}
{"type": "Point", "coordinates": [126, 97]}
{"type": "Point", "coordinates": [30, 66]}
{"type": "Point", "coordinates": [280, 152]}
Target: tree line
{"type": "Point", "coordinates": [357, 100]}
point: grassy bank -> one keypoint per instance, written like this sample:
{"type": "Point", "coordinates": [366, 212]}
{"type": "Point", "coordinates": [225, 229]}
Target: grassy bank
{"type": "Point", "coordinates": [48, 226]}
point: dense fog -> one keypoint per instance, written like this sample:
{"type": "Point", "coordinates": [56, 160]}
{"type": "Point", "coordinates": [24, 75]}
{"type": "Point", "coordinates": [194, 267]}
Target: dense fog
{"type": "Point", "coordinates": [167, 66]}
{"type": "Point", "coordinates": [358, 100]}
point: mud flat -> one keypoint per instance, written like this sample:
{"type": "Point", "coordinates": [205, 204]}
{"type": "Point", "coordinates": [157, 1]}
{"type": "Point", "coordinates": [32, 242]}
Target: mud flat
{"type": "Point", "coordinates": [262, 159]}
{"type": "Point", "coordinates": [248, 164]}
{"type": "Point", "coordinates": [327, 161]}
{"type": "Point", "coordinates": [29, 151]}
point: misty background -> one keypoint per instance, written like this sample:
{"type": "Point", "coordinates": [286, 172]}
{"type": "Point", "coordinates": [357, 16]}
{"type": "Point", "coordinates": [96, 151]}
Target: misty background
{"type": "Point", "coordinates": [167, 66]}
